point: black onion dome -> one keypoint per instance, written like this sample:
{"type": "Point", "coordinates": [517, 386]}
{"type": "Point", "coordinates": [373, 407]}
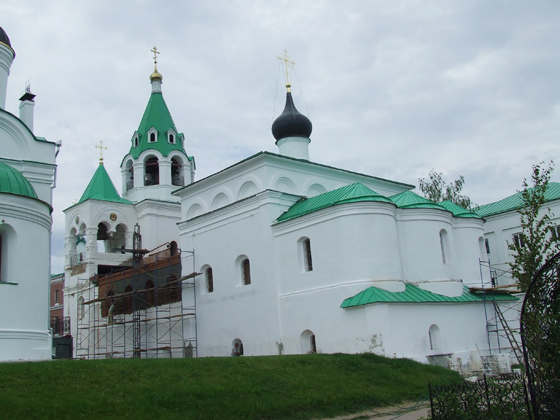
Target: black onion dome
{"type": "Point", "coordinates": [5, 39]}
{"type": "Point", "coordinates": [291, 123]}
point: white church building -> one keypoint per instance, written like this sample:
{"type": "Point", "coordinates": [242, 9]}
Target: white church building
{"type": "Point", "coordinates": [27, 178]}
{"type": "Point", "coordinates": [276, 253]}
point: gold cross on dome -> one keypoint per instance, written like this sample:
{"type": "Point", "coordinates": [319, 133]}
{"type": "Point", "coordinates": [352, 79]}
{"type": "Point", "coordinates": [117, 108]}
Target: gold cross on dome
{"type": "Point", "coordinates": [287, 62]}
{"type": "Point", "coordinates": [156, 52]}
{"type": "Point", "coordinates": [101, 147]}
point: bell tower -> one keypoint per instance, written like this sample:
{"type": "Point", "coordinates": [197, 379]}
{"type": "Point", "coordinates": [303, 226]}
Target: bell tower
{"type": "Point", "coordinates": [157, 163]}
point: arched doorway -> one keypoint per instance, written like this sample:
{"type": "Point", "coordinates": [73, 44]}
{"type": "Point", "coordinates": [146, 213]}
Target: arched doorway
{"type": "Point", "coordinates": [307, 342]}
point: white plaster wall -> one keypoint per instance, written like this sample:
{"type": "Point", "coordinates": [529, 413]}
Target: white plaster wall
{"type": "Point", "coordinates": [466, 234]}
{"type": "Point", "coordinates": [24, 304]}
{"type": "Point", "coordinates": [419, 241]}
{"type": "Point", "coordinates": [402, 329]}
{"type": "Point", "coordinates": [233, 310]}
{"type": "Point", "coordinates": [499, 229]}
{"type": "Point", "coordinates": [349, 243]}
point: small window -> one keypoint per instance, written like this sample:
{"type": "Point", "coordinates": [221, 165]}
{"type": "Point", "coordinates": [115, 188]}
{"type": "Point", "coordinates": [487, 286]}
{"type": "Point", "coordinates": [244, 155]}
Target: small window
{"type": "Point", "coordinates": [56, 296]}
{"type": "Point", "coordinates": [152, 135]}
{"type": "Point", "coordinates": [307, 260]}
{"type": "Point", "coordinates": [127, 306]}
{"type": "Point", "coordinates": [435, 337]}
{"type": "Point", "coordinates": [209, 280]}
{"type": "Point", "coordinates": [487, 244]}
{"type": "Point", "coordinates": [518, 240]}
{"type": "Point", "coordinates": [555, 230]}
{"type": "Point", "coordinates": [171, 138]}
{"type": "Point", "coordinates": [246, 272]}
{"type": "Point", "coordinates": [444, 243]}
{"type": "Point", "coordinates": [150, 293]}
{"type": "Point", "coordinates": [136, 141]}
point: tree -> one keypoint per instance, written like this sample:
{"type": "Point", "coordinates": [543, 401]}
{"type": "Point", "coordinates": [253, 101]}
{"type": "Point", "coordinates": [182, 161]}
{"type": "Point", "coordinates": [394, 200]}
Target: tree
{"type": "Point", "coordinates": [436, 189]}
{"type": "Point", "coordinates": [536, 243]}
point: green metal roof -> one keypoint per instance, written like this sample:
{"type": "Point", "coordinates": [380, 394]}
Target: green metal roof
{"type": "Point", "coordinates": [409, 200]}
{"type": "Point", "coordinates": [514, 202]}
{"type": "Point", "coordinates": [459, 211]}
{"type": "Point", "coordinates": [12, 181]}
{"type": "Point", "coordinates": [352, 193]}
{"type": "Point", "coordinates": [157, 116]}
{"type": "Point", "coordinates": [414, 294]}
{"type": "Point", "coordinates": [101, 188]}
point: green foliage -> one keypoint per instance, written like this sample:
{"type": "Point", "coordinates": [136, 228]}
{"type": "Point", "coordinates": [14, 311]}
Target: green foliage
{"type": "Point", "coordinates": [280, 387]}
{"type": "Point", "coordinates": [437, 190]}
{"type": "Point", "coordinates": [535, 244]}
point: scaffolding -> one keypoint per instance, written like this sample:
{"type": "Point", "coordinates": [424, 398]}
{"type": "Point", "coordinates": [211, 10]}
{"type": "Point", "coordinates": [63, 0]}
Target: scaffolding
{"type": "Point", "coordinates": [503, 313]}
{"type": "Point", "coordinates": [144, 311]}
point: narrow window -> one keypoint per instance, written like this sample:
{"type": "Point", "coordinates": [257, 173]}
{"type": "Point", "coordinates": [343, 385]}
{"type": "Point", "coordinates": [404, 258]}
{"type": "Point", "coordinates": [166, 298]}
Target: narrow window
{"type": "Point", "coordinates": [171, 138]}
{"type": "Point", "coordinates": [435, 337]}
{"type": "Point", "coordinates": [307, 261]}
{"type": "Point", "coordinates": [127, 307]}
{"type": "Point", "coordinates": [150, 293]}
{"type": "Point", "coordinates": [174, 289]}
{"type": "Point", "coordinates": [518, 240]}
{"type": "Point", "coordinates": [56, 296]}
{"type": "Point", "coordinates": [209, 280]}
{"type": "Point", "coordinates": [80, 308]}
{"type": "Point", "coordinates": [487, 246]}
{"type": "Point", "coordinates": [443, 241]}
{"type": "Point", "coordinates": [555, 230]}
{"type": "Point", "coordinates": [151, 172]}
{"type": "Point", "coordinates": [152, 137]}
{"type": "Point", "coordinates": [246, 270]}
{"type": "Point", "coordinates": [136, 142]}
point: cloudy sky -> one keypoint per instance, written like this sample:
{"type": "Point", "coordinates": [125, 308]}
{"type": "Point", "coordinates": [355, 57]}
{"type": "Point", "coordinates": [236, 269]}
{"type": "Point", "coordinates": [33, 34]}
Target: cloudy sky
{"type": "Point", "coordinates": [393, 88]}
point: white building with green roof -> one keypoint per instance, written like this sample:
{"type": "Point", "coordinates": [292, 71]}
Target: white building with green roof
{"type": "Point", "coordinates": [299, 257]}
{"type": "Point", "coordinates": [27, 178]}
{"type": "Point", "coordinates": [294, 256]}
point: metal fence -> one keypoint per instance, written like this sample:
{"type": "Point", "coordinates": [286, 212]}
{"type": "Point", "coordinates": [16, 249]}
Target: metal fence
{"type": "Point", "coordinates": [494, 397]}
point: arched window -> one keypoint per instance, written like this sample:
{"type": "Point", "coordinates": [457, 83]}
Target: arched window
{"type": "Point", "coordinates": [118, 240]}
{"type": "Point", "coordinates": [150, 293]}
{"type": "Point", "coordinates": [152, 135]}
{"type": "Point", "coordinates": [136, 140]}
{"type": "Point", "coordinates": [127, 301]}
{"type": "Point", "coordinates": [174, 288]}
{"type": "Point", "coordinates": [80, 308]}
{"type": "Point", "coordinates": [102, 237]}
{"type": "Point", "coordinates": [435, 337]}
{"type": "Point", "coordinates": [106, 304]}
{"type": "Point", "coordinates": [237, 347]}
{"type": "Point", "coordinates": [209, 280]}
{"type": "Point", "coordinates": [246, 272]}
{"type": "Point", "coordinates": [305, 245]}
{"type": "Point", "coordinates": [151, 172]}
{"type": "Point", "coordinates": [129, 174]}
{"type": "Point", "coordinates": [176, 172]}
{"type": "Point", "coordinates": [173, 249]}
{"type": "Point", "coordinates": [444, 243]}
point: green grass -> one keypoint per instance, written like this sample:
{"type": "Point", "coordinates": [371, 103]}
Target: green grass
{"type": "Point", "coordinates": [280, 387]}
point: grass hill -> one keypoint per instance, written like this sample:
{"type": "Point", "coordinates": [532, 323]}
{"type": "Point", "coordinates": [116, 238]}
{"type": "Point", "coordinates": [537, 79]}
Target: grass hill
{"type": "Point", "coordinates": [276, 387]}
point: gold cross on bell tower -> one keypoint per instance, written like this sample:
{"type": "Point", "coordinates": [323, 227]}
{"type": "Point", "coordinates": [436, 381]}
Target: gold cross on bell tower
{"type": "Point", "coordinates": [156, 52]}
{"type": "Point", "coordinates": [288, 63]}
{"type": "Point", "coordinates": [101, 148]}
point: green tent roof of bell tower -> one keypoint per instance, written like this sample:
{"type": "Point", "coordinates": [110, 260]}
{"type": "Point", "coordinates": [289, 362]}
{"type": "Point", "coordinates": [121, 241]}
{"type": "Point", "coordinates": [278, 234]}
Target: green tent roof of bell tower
{"type": "Point", "coordinates": [102, 188]}
{"type": "Point", "coordinates": [158, 117]}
